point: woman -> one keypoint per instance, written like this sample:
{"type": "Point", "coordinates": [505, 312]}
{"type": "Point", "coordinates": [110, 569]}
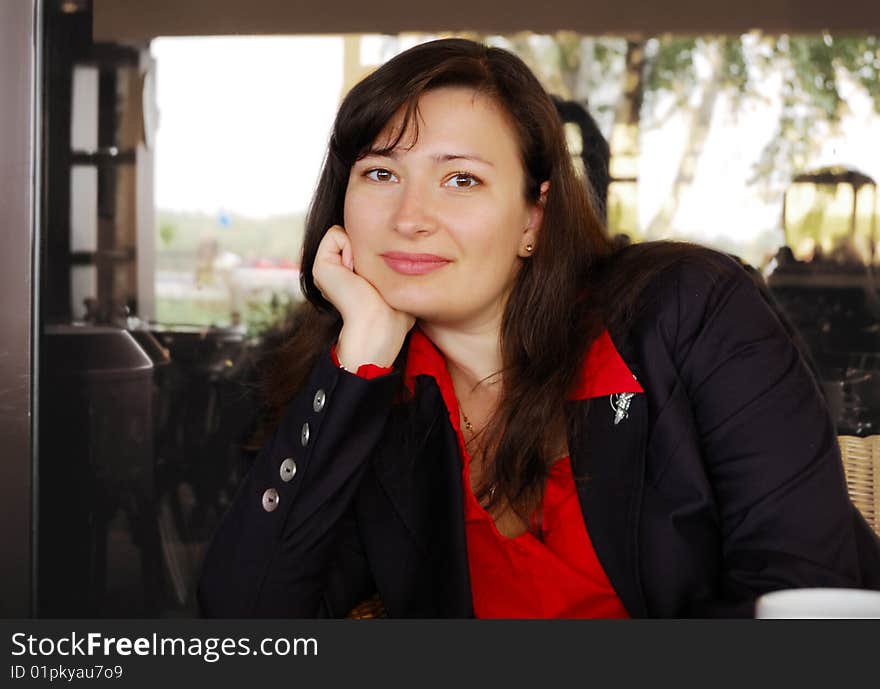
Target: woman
{"type": "Point", "coordinates": [485, 411]}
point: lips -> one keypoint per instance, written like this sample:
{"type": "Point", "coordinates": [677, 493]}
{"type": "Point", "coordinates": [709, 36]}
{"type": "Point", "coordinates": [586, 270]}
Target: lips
{"type": "Point", "coordinates": [413, 264]}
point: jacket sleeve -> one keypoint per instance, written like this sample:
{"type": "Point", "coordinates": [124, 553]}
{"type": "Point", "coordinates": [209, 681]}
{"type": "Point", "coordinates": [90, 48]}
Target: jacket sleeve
{"type": "Point", "coordinates": [289, 545]}
{"type": "Point", "coordinates": [768, 444]}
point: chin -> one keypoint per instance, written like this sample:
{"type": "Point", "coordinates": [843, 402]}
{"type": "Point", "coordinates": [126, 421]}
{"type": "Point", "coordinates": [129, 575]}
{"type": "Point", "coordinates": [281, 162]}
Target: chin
{"type": "Point", "coordinates": [419, 303]}
{"type": "Point", "coordinates": [418, 298]}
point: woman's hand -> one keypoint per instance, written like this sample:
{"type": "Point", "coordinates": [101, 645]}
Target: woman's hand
{"type": "Point", "coordinates": [372, 332]}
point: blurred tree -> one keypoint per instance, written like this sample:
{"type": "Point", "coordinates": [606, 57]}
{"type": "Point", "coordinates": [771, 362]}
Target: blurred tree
{"type": "Point", "coordinates": [817, 71]}
{"type": "Point", "coordinates": [634, 83]}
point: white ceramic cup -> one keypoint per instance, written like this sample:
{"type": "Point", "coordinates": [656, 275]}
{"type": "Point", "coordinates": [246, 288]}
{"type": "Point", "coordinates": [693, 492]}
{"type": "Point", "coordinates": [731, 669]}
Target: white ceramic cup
{"type": "Point", "coordinates": [819, 603]}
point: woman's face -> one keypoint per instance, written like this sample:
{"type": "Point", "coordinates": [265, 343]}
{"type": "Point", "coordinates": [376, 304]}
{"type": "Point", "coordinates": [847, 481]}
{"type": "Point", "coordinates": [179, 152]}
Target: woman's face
{"type": "Point", "coordinates": [440, 227]}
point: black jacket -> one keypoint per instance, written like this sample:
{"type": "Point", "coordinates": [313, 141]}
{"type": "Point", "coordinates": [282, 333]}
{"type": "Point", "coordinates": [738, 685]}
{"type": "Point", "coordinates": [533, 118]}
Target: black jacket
{"type": "Point", "coordinates": [724, 482]}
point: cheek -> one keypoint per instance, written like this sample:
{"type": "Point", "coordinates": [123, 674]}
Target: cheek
{"type": "Point", "coordinates": [349, 210]}
{"type": "Point", "coordinates": [495, 230]}
{"type": "Point", "coordinates": [364, 214]}
{"type": "Point", "coordinates": [362, 222]}
{"type": "Point", "coordinates": [356, 219]}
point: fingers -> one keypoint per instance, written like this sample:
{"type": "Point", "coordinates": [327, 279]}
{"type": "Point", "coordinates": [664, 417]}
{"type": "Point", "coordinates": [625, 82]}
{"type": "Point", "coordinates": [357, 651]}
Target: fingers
{"type": "Point", "coordinates": [336, 244]}
{"type": "Point", "coordinates": [364, 311]}
{"type": "Point", "coordinates": [347, 255]}
{"type": "Point", "coordinates": [333, 243]}
{"type": "Point", "coordinates": [333, 270]}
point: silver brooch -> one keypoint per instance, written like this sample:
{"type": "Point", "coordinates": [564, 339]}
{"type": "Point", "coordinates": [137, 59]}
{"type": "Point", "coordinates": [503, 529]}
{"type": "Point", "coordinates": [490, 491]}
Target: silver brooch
{"type": "Point", "coordinates": [620, 402]}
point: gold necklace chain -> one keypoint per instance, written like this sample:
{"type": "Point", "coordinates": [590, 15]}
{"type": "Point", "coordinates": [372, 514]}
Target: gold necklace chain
{"type": "Point", "coordinates": [470, 427]}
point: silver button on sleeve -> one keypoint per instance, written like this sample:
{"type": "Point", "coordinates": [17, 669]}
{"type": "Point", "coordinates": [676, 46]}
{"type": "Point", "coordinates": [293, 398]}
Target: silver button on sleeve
{"type": "Point", "coordinates": [288, 469]}
{"type": "Point", "coordinates": [318, 402]}
{"type": "Point", "coordinates": [304, 436]}
{"type": "Point", "coordinates": [270, 500]}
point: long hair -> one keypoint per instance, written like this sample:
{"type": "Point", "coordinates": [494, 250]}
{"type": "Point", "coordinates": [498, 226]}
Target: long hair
{"type": "Point", "coordinates": [553, 312]}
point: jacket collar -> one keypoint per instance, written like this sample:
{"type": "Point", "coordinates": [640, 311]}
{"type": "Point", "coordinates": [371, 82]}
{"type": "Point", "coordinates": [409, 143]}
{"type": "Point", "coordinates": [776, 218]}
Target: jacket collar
{"type": "Point", "coordinates": [603, 371]}
{"type": "Point", "coordinates": [608, 454]}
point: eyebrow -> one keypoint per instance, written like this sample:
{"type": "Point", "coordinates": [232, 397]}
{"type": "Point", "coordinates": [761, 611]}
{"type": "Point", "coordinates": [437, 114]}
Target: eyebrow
{"type": "Point", "coordinates": [439, 157]}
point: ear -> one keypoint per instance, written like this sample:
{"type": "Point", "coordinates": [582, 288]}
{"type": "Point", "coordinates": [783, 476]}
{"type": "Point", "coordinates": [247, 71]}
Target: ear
{"type": "Point", "coordinates": [536, 217]}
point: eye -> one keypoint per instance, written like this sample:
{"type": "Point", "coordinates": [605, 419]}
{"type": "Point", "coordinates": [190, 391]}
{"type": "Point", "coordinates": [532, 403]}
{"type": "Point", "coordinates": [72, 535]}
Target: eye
{"type": "Point", "coordinates": [462, 180]}
{"type": "Point", "coordinates": [380, 174]}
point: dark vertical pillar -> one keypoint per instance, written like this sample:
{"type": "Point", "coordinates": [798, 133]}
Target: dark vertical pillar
{"type": "Point", "coordinates": [18, 165]}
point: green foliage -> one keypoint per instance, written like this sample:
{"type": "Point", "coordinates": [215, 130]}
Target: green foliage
{"type": "Point", "coordinates": [608, 50]}
{"type": "Point", "coordinates": [192, 312]}
{"type": "Point", "coordinates": [277, 237]}
{"type": "Point", "coordinates": [262, 316]}
{"type": "Point", "coordinates": [167, 232]}
{"type": "Point", "coordinates": [734, 70]}
{"type": "Point", "coordinates": [259, 316]}
{"type": "Point", "coordinates": [789, 149]}
{"type": "Point", "coordinates": [569, 55]}
{"type": "Point", "coordinates": [813, 62]}
{"type": "Point", "coordinates": [573, 66]}
{"type": "Point", "coordinates": [815, 69]}
{"type": "Point", "coordinates": [272, 237]}
{"type": "Point", "coordinates": [670, 64]}
{"type": "Point", "coordinates": [859, 56]}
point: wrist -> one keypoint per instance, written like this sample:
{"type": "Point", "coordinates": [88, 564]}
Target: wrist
{"type": "Point", "coordinates": [359, 345]}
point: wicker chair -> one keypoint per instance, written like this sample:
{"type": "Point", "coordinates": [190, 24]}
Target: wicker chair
{"type": "Point", "coordinates": [861, 464]}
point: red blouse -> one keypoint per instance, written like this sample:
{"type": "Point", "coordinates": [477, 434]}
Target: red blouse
{"type": "Point", "coordinates": [558, 575]}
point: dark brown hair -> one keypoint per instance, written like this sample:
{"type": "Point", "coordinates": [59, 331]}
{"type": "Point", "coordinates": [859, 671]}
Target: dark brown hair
{"type": "Point", "coordinates": [555, 309]}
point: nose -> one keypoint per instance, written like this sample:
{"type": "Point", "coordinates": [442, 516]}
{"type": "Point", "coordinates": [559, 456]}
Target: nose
{"type": "Point", "coordinates": [415, 213]}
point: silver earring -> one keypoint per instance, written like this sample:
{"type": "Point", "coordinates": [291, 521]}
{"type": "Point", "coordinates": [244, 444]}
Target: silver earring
{"type": "Point", "coordinates": [529, 248]}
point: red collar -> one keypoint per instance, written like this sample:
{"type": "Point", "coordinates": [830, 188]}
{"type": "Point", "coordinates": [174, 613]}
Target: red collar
{"type": "Point", "coordinates": [603, 371]}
